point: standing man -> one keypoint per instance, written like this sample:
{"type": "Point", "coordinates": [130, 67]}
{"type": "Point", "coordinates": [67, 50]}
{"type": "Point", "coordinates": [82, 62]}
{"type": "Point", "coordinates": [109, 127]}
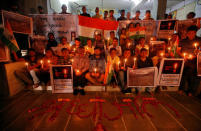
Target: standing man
{"type": "Point", "coordinates": [137, 15]}
{"type": "Point", "coordinates": [64, 9]}
{"type": "Point", "coordinates": [97, 15]}
{"type": "Point", "coordinates": [84, 12]}
{"type": "Point", "coordinates": [148, 15]}
{"type": "Point", "coordinates": [122, 17]}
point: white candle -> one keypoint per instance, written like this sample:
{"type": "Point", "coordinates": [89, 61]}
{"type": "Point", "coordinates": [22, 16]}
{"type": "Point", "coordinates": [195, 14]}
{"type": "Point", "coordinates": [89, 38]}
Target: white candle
{"type": "Point", "coordinates": [48, 61]}
{"type": "Point", "coordinates": [41, 62]}
{"type": "Point", "coordinates": [134, 61]}
{"type": "Point", "coordinates": [196, 45]}
{"type": "Point", "coordinates": [27, 64]}
{"type": "Point", "coordinates": [95, 70]}
{"type": "Point", "coordinates": [125, 63]}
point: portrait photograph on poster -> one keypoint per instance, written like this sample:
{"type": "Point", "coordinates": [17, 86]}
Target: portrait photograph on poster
{"type": "Point", "coordinates": [144, 77]}
{"type": "Point", "coordinates": [199, 64]}
{"type": "Point", "coordinates": [61, 78]}
{"type": "Point", "coordinates": [170, 71]}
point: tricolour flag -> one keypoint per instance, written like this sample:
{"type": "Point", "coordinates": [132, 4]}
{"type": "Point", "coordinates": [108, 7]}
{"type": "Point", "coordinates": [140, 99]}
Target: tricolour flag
{"type": "Point", "coordinates": [136, 33]}
{"type": "Point", "coordinates": [8, 38]}
{"type": "Point", "coordinates": [88, 27]}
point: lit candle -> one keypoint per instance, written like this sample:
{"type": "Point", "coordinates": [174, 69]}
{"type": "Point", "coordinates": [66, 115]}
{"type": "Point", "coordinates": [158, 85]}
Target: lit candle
{"type": "Point", "coordinates": [72, 60]}
{"type": "Point", "coordinates": [65, 71]}
{"type": "Point", "coordinates": [196, 45]}
{"type": "Point", "coordinates": [184, 54]}
{"type": "Point", "coordinates": [190, 56]}
{"type": "Point", "coordinates": [129, 44]}
{"type": "Point", "coordinates": [95, 70]}
{"type": "Point", "coordinates": [161, 54]}
{"type": "Point", "coordinates": [48, 61]}
{"type": "Point", "coordinates": [41, 62]}
{"type": "Point", "coordinates": [169, 48]}
{"type": "Point", "coordinates": [77, 70]}
{"type": "Point", "coordinates": [27, 64]}
{"type": "Point", "coordinates": [74, 49]}
{"type": "Point", "coordinates": [134, 61]}
{"type": "Point", "coordinates": [151, 39]}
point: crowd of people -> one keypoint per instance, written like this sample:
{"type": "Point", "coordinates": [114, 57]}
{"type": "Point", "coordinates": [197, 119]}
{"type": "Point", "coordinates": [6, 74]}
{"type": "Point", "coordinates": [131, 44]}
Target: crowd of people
{"type": "Point", "coordinates": [106, 61]}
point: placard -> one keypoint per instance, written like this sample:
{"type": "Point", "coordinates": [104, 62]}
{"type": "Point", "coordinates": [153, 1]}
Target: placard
{"type": "Point", "coordinates": [39, 43]}
{"type": "Point", "coordinates": [59, 24]}
{"type": "Point", "coordinates": [166, 28]}
{"type": "Point", "coordinates": [170, 71]}
{"type": "Point", "coordinates": [19, 23]}
{"type": "Point", "coordinates": [144, 77]}
{"type": "Point", "coordinates": [199, 64]}
{"type": "Point", "coordinates": [61, 78]}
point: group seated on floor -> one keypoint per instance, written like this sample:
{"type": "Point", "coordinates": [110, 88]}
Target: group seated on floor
{"type": "Point", "coordinates": [105, 62]}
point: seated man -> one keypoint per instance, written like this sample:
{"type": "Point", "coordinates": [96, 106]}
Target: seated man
{"type": "Point", "coordinates": [65, 58]}
{"type": "Point", "coordinates": [46, 62]}
{"type": "Point", "coordinates": [116, 46]}
{"type": "Point", "coordinates": [80, 68]}
{"type": "Point", "coordinates": [96, 68]}
{"type": "Point", "coordinates": [126, 61]}
{"type": "Point", "coordinates": [143, 62]}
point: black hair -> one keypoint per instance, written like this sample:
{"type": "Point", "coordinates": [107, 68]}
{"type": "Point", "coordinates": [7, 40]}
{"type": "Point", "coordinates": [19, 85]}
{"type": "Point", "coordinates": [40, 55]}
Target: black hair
{"type": "Point", "coordinates": [136, 24]}
{"type": "Point", "coordinates": [191, 13]}
{"type": "Point", "coordinates": [192, 28]}
{"type": "Point", "coordinates": [148, 11]}
{"type": "Point", "coordinates": [143, 49]}
{"type": "Point", "coordinates": [77, 39]}
{"type": "Point", "coordinates": [112, 49]}
{"type": "Point", "coordinates": [64, 49]}
{"type": "Point", "coordinates": [138, 11]}
{"type": "Point", "coordinates": [97, 48]}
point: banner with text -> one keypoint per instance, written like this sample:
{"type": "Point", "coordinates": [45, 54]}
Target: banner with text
{"type": "Point", "coordinates": [59, 24]}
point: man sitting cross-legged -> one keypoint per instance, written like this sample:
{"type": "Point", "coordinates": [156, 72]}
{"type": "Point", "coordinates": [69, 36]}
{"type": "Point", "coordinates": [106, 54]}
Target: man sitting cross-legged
{"type": "Point", "coordinates": [96, 68]}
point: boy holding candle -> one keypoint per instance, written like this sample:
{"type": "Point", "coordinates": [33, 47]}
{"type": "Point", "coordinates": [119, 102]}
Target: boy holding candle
{"type": "Point", "coordinates": [89, 48]}
{"type": "Point", "coordinates": [96, 68]}
{"type": "Point", "coordinates": [187, 46]}
{"type": "Point", "coordinates": [123, 67]}
{"type": "Point", "coordinates": [80, 67]}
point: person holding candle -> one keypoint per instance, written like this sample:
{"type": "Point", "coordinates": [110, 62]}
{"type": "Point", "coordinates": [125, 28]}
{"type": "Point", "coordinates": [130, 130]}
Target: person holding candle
{"type": "Point", "coordinates": [110, 39]}
{"type": "Point", "coordinates": [116, 46]}
{"type": "Point", "coordinates": [123, 66]}
{"type": "Point", "coordinates": [75, 47]}
{"type": "Point", "coordinates": [189, 76]}
{"type": "Point", "coordinates": [64, 43]}
{"type": "Point", "coordinates": [80, 68]}
{"type": "Point", "coordinates": [48, 59]}
{"type": "Point", "coordinates": [89, 48]}
{"type": "Point", "coordinates": [96, 68]}
{"type": "Point", "coordinates": [144, 61]}
{"type": "Point", "coordinates": [29, 75]}
{"type": "Point", "coordinates": [112, 65]}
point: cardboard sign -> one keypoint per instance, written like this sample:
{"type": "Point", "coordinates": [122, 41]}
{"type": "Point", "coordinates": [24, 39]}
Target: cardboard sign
{"type": "Point", "coordinates": [170, 71]}
{"type": "Point", "coordinates": [199, 64]}
{"type": "Point", "coordinates": [144, 77]}
{"type": "Point", "coordinates": [166, 28]}
{"type": "Point", "coordinates": [19, 23]}
{"type": "Point", "coordinates": [61, 78]}
{"type": "Point", "coordinates": [4, 53]}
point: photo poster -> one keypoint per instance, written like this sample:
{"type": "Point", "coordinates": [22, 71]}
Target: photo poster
{"type": "Point", "coordinates": [19, 23]}
{"type": "Point", "coordinates": [59, 24]}
{"type": "Point", "coordinates": [199, 64]}
{"type": "Point", "coordinates": [141, 28]}
{"type": "Point", "coordinates": [182, 26]}
{"type": "Point", "coordinates": [166, 28]}
{"type": "Point", "coordinates": [144, 77]}
{"type": "Point", "coordinates": [170, 72]}
{"type": "Point", "coordinates": [61, 78]}
{"type": "Point", "coordinates": [38, 43]}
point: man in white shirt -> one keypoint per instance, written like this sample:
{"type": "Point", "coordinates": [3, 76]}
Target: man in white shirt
{"type": "Point", "coordinates": [116, 46]}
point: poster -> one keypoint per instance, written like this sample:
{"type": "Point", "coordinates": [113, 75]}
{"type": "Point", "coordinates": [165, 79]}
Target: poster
{"type": "Point", "coordinates": [199, 64]}
{"type": "Point", "coordinates": [19, 23]}
{"type": "Point", "coordinates": [59, 24]}
{"type": "Point", "coordinates": [139, 28]}
{"type": "Point", "coordinates": [156, 46]}
{"type": "Point", "coordinates": [61, 78]}
{"type": "Point", "coordinates": [170, 71]}
{"type": "Point", "coordinates": [166, 28]}
{"type": "Point", "coordinates": [144, 77]}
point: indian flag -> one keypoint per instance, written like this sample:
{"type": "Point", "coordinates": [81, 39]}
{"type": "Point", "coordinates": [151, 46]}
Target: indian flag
{"type": "Point", "coordinates": [88, 27]}
{"type": "Point", "coordinates": [7, 37]}
{"type": "Point", "coordinates": [136, 33]}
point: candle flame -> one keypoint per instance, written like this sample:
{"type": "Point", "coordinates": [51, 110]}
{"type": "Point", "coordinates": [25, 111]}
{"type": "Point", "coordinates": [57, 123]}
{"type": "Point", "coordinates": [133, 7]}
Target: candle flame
{"type": "Point", "coordinates": [41, 61]}
{"type": "Point", "coordinates": [26, 63]}
{"type": "Point", "coordinates": [48, 61]}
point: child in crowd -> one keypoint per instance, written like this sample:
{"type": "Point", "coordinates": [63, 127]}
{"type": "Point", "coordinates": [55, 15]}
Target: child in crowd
{"type": "Point", "coordinates": [89, 48]}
